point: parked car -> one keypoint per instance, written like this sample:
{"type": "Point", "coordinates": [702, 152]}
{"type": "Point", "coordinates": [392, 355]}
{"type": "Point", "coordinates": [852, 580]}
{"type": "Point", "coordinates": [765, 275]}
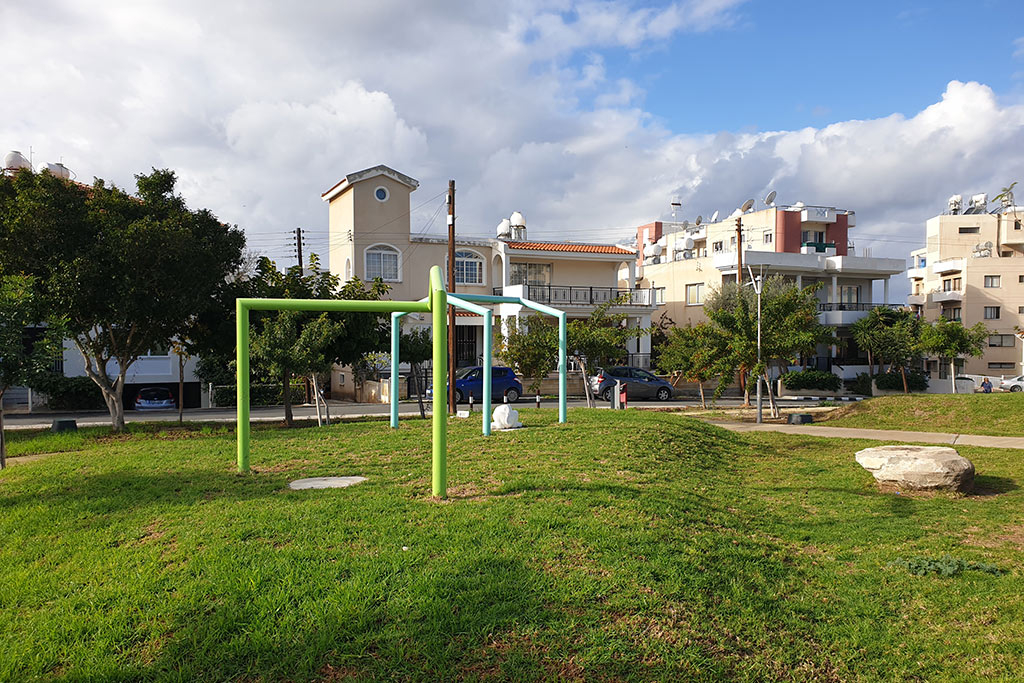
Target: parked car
{"type": "Point", "coordinates": [470, 382]}
{"type": "Point", "coordinates": [639, 384]}
{"type": "Point", "coordinates": [155, 398]}
{"type": "Point", "coordinates": [1012, 384]}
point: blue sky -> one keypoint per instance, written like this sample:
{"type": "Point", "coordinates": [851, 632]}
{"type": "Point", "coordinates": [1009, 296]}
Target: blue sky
{"type": "Point", "coordinates": [794, 64]}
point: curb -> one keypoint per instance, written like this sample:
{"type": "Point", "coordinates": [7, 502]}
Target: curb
{"type": "Point", "coordinates": [821, 398]}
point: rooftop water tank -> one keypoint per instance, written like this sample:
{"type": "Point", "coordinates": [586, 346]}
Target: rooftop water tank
{"type": "Point", "coordinates": [15, 160]}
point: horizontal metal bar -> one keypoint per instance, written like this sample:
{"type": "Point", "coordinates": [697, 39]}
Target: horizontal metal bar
{"type": "Point", "coordinates": [361, 306]}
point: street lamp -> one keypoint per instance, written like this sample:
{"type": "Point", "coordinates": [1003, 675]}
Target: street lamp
{"type": "Point", "coordinates": [758, 284]}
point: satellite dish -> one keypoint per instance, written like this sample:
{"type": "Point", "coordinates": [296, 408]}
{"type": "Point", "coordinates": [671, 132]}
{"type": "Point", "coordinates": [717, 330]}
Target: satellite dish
{"type": "Point", "coordinates": [747, 205]}
{"type": "Point", "coordinates": [687, 254]}
{"type": "Point", "coordinates": [700, 219]}
{"type": "Point", "coordinates": [770, 199]}
{"type": "Point", "coordinates": [686, 224]}
{"type": "Point", "coordinates": [688, 243]}
{"type": "Point", "coordinates": [988, 245]}
{"type": "Point", "coordinates": [714, 217]}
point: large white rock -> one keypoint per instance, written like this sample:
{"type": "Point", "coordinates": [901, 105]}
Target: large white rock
{"type": "Point", "coordinates": [505, 418]}
{"type": "Point", "coordinates": [920, 468]}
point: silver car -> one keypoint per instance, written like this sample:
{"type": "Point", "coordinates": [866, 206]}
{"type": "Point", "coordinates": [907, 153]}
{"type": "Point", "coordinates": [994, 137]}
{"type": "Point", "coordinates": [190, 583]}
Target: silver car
{"type": "Point", "coordinates": [1012, 384]}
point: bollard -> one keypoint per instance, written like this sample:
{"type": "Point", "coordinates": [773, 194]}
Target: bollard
{"type": "Point", "coordinates": [622, 397]}
{"type": "Point", "coordinates": [538, 400]}
{"type": "Point", "coordinates": [471, 401]}
{"type": "Point", "coordinates": [505, 397]}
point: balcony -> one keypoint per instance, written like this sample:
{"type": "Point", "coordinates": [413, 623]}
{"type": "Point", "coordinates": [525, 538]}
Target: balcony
{"type": "Point", "coordinates": [845, 314]}
{"type": "Point", "coordinates": [916, 299]}
{"type": "Point", "coordinates": [949, 265]}
{"type": "Point", "coordinates": [569, 295]}
{"type": "Point", "coordinates": [917, 273]}
{"type": "Point", "coordinates": [939, 296]}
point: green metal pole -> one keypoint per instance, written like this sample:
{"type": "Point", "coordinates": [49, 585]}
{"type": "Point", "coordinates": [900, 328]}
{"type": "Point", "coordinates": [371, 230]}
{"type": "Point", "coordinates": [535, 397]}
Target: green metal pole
{"type": "Point", "coordinates": [242, 383]}
{"type": "Point", "coordinates": [439, 312]}
{"type": "Point", "coordinates": [396, 323]}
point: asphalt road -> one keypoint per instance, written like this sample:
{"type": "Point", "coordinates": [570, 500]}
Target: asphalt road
{"type": "Point", "coordinates": [306, 412]}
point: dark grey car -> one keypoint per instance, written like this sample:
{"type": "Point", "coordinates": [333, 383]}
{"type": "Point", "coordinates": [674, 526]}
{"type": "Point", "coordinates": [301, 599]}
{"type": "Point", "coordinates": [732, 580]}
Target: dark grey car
{"type": "Point", "coordinates": [639, 384]}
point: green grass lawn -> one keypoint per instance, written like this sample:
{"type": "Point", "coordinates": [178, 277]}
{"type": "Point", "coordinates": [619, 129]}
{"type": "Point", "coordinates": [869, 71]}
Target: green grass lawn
{"type": "Point", "coordinates": [1000, 414]}
{"type": "Point", "coordinates": [625, 545]}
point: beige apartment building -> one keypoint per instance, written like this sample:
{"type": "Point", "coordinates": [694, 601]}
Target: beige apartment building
{"type": "Point", "coordinates": [370, 236]}
{"type": "Point", "coordinates": [806, 244]}
{"type": "Point", "coordinates": [972, 270]}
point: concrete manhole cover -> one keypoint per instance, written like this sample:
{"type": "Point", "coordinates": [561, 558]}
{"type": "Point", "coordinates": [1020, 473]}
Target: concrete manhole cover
{"type": "Point", "coordinates": [325, 483]}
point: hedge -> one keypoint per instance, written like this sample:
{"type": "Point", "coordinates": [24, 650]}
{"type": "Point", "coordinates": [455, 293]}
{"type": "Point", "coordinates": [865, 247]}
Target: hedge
{"type": "Point", "coordinates": [819, 380]}
{"type": "Point", "coordinates": [71, 393]}
{"type": "Point", "coordinates": [893, 381]}
{"type": "Point", "coordinates": [259, 395]}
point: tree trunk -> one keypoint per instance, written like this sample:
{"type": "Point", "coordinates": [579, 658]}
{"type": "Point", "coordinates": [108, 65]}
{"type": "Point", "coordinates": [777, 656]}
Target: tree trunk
{"type": "Point", "coordinates": [415, 368]}
{"type": "Point", "coordinates": [952, 373]}
{"type": "Point", "coordinates": [586, 386]}
{"type": "Point", "coordinates": [903, 374]}
{"type": "Point", "coordinates": [3, 439]}
{"type": "Point", "coordinates": [871, 365]}
{"type": "Point", "coordinates": [112, 391]}
{"type": "Point", "coordinates": [288, 419]}
{"type": "Point", "coordinates": [771, 396]}
{"type": "Point", "coordinates": [745, 385]}
{"type": "Point", "coordinates": [316, 399]}
{"type": "Point", "coordinates": [181, 387]}
{"type": "Point", "coordinates": [703, 404]}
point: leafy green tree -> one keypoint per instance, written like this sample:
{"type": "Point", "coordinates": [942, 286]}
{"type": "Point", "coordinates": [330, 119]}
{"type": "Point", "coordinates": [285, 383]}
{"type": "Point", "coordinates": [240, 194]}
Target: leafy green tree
{"type": "Point", "coordinates": [530, 346]}
{"type": "Point", "coordinates": [899, 343]}
{"type": "Point", "coordinates": [128, 272]}
{"type": "Point", "coordinates": [699, 353]}
{"type": "Point", "coordinates": [869, 333]}
{"type": "Point", "coordinates": [304, 342]}
{"type": "Point", "coordinates": [789, 326]}
{"type": "Point", "coordinates": [22, 359]}
{"type": "Point", "coordinates": [415, 347]}
{"type": "Point", "coordinates": [949, 339]}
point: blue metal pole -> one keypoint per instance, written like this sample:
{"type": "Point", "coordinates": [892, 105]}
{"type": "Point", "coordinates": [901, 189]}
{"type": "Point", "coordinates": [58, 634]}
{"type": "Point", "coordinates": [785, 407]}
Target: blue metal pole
{"type": "Point", "coordinates": [460, 302]}
{"type": "Point", "coordinates": [396, 333]}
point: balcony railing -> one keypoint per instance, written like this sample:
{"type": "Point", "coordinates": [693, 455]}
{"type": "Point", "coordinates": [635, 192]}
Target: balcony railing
{"type": "Point", "coordinates": [567, 295]}
{"type": "Point", "coordinates": [855, 307]}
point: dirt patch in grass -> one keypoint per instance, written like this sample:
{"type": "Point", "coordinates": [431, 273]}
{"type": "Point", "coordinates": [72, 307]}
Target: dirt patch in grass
{"type": "Point", "coordinates": [283, 466]}
{"type": "Point", "coordinates": [22, 459]}
{"type": "Point", "coordinates": [1009, 535]}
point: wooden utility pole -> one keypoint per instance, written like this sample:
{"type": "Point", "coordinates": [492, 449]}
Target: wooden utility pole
{"type": "Point", "coordinates": [298, 245]}
{"type": "Point", "coordinates": [451, 288]}
{"type": "Point", "coordinates": [739, 250]}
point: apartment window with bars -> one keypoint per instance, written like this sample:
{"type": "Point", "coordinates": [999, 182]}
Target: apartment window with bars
{"type": "Point", "coordinates": [768, 237]}
{"type": "Point", "coordinates": [991, 313]}
{"type": "Point", "coordinates": [1001, 340]}
{"type": "Point", "coordinates": [1001, 366]}
{"type": "Point", "coordinates": [717, 247]}
{"type": "Point", "coordinates": [991, 281]}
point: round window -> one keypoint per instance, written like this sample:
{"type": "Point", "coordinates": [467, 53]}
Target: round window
{"type": "Point", "coordinates": [381, 193]}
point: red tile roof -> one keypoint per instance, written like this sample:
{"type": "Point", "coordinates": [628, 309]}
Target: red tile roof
{"type": "Point", "coordinates": [569, 246]}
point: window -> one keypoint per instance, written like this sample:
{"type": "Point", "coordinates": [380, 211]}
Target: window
{"type": "Point", "coordinates": [991, 313]}
{"type": "Point", "coordinates": [849, 294]}
{"type": "Point", "coordinates": [768, 237]}
{"type": "Point", "coordinates": [951, 284]}
{"type": "Point", "coordinates": [1020, 279]}
{"type": "Point", "coordinates": [381, 194]}
{"type": "Point", "coordinates": [1020, 309]}
{"type": "Point", "coordinates": [469, 268]}
{"type": "Point", "coordinates": [1001, 366]}
{"type": "Point", "coordinates": [1006, 254]}
{"type": "Point", "coordinates": [991, 281]}
{"type": "Point", "coordinates": [812, 236]}
{"type": "Point", "coordinates": [717, 247]}
{"type": "Point", "coordinates": [530, 274]}
{"type": "Point", "coordinates": [922, 262]}
{"type": "Point", "coordinates": [382, 261]}
{"type": "Point", "coordinates": [1000, 340]}
{"type": "Point", "coordinates": [695, 294]}
{"type": "Point", "coordinates": [970, 231]}
{"type": "Point", "coordinates": [732, 241]}
{"type": "Point", "coordinates": [1016, 225]}
{"type": "Point", "coordinates": [952, 313]}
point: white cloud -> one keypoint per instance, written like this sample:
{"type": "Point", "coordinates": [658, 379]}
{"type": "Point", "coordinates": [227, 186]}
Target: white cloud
{"type": "Point", "coordinates": [263, 110]}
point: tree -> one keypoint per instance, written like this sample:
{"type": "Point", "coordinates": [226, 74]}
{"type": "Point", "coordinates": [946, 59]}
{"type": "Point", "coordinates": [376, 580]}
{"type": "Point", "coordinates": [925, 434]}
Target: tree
{"type": "Point", "coordinates": [950, 339]}
{"type": "Point", "coordinates": [899, 343]}
{"type": "Point", "coordinates": [870, 333]}
{"type": "Point", "coordinates": [789, 326]}
{"type": "Point", "coordinates": [303, 342]}
{"type": "Point", "coordinates": [22, 358]}
{"type": "Point", "coordinates": [699, 353]}
{"type": "Point", "coordinates": [414, 347]}
{"type": "Point", "coordinates": [530, 347]}
{"type": "Point", "coordinates": [127, 272]}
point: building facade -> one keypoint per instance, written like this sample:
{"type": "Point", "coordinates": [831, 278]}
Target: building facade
{"type": "Point", "coordinates": [972, 270]}
{"type": "Point", "coordinates": [806, 244]}
{"type": "Point", "coordinates": [370, 236]}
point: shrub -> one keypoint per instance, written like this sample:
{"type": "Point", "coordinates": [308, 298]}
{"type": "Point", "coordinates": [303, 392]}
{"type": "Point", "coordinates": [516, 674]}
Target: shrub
{"type": "Point", "coordinates": [861, 385]}
{"type": "Point", "coordinates": [811, 379]}
{"type": "Point", "coordinates": [892, 381]}
{"type": "Point", "coordinates": [71, 393]}
{"type": "Point", "coordinates": [259, 395]}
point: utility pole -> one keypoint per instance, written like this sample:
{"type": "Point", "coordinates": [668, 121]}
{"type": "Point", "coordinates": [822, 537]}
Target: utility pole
{"type": "Point", "coordinates": [298, 245]}
{"type": "Point", "coordinates": [451, 288]}
{"type": "Point", "coordinates": [739, 250]}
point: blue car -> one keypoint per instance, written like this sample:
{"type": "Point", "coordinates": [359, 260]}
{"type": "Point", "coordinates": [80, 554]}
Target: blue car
{"type": "Point", "coordinates": [470, 382]}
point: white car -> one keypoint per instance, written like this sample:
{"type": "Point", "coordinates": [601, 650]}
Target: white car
{"type": "Point", "coordinates": [1012, 384]}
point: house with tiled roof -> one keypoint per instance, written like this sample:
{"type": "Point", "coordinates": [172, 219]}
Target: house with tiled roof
{"type": "Point", "coordinates": [370, 236]}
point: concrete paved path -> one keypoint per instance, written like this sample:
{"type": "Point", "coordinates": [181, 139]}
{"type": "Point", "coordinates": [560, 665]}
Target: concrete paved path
{"type": "Point", "coordinates": [878, 434]}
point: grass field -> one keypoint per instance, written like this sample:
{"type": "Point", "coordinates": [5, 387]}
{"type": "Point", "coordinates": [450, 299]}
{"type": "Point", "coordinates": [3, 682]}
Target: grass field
{"type": "Point", "coordinates": [625, 545]}
{"type": "Point", "coordinates": [999, 414]}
